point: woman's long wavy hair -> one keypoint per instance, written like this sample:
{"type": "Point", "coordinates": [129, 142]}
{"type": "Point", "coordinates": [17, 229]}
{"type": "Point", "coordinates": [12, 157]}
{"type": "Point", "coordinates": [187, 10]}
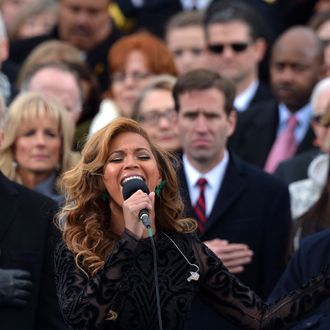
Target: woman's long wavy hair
{"type": "Point", "coordinates": [27, 107]}
{"type": "Point", "coordinates": [85, 217]}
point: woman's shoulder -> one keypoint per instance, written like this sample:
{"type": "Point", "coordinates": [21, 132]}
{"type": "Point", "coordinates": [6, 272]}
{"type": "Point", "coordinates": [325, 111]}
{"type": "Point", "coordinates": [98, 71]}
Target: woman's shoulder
{"type": "Point", "coordinates": [183, 240]}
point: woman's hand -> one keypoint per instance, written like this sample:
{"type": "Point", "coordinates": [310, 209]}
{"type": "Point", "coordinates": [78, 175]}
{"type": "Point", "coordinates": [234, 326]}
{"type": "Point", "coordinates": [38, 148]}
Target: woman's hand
{"type": "Point", "coordinates": [131, 209]}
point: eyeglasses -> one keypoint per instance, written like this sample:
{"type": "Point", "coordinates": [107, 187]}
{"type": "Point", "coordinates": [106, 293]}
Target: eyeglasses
{"type": "Point", "coordinates": [320, 120]}
{"type": "Point", "coordinates": [237, 47]}
{"type": "Point", "coordinates": [179, 52]}
{"type": "Point", "coordinates": [153, 117]}
{"type": "Point", "coordinates": [317, 119]}
{"type": "Point", "coordinates": [325, 42]}
{"type": "Point", "coordinates": [135, 76]}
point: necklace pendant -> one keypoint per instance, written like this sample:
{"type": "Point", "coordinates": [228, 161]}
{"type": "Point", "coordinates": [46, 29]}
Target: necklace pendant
{"type": "Point", "coordinates": [194, 276]}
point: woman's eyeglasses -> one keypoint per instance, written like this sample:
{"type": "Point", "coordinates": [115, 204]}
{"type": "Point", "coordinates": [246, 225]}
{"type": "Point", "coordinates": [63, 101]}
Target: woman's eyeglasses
{"type": "Point", "coordinates": [135, 76]}
{"type": "Point", "coordinates": [153, 117]}
{"type": "Point", "coordinates": [237, 47]}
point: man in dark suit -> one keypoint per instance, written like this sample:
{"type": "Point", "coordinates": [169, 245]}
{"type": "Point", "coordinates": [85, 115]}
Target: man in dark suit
{"type": "Point", "coordinates": [296, 66]}
{"type": "Point", "coordinates": [247, 211]}
{"type": "Point", "coordinates": [296, 168]}
{"type": "Point", "coordinates": [28, 299]}
{"type": "Point", "coordinates": [83, 24]}
{"type": "Point", "coordinates": [310, 259]}
{"type": "Point", "coordinates": [236, 45]}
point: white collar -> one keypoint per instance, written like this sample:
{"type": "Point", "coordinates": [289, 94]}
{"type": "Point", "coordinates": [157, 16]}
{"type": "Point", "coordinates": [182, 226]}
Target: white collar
{"type": "Point", "coordinates": [194, 4]}
{"type": "Point", "coordinates": [242, 101]}
{"type": "Point", "coordinates": [214, 177]}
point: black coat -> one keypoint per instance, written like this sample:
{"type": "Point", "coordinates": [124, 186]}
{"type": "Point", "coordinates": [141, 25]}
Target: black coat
{"type": "Point", "coordinates": [26, 243]}
{"type": "Point", "coordinates": [262, 94]}
{"type": "Point", "coordinates": [97, 58]}
{"type": "Point", "coordinates": [296, 168]}
{"type": "Point", "coordinates": [252, 207]}
{"type": "Point", "coordinates": [256, 132]}
{"type": "Point", "coordinates": [312, 256]}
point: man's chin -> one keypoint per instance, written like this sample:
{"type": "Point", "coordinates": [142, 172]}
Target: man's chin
{"type": "Point", "coordinates": [81, 42]}
{"type": "Point", "coordinates": [201, 157]}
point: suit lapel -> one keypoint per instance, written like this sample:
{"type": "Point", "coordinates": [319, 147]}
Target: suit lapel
{"type": "Point", "coordinates": [265, 127]}
{"type": "Point", "coordinates": [184, 192]}
{"type": "Point", "coordinates": [255, 125]}
{"type": "Point", "coordinates": [262, 94]}
{"type": "Point", "coordinates": [307, 142]}
{"type": "Point", "coordinates": [232, 186]}
{"type": "Point", "coordinates": [8, 204]}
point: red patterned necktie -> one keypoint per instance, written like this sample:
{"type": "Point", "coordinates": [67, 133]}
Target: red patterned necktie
{"type": "Point", "coordinates": [200, 208]}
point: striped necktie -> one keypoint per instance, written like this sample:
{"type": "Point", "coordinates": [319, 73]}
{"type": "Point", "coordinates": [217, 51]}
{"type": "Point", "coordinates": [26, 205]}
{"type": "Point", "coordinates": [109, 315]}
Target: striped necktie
{"type": "Point", "coordinates": [200, 207]}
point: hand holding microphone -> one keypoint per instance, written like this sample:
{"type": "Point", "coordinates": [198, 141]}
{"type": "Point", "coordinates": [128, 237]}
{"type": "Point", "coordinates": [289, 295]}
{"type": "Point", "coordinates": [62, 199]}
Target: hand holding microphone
{"type": "Point", "coordinates": [137, 204]}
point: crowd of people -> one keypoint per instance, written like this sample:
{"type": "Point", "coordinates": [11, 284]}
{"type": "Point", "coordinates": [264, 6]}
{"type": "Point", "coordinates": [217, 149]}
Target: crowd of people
{"type": "Point", "coordinates": [219, 110]}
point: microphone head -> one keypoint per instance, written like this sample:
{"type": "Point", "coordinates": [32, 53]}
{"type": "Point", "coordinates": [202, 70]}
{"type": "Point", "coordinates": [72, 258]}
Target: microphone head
{"type": "Point", "coordinates": [133, 185]}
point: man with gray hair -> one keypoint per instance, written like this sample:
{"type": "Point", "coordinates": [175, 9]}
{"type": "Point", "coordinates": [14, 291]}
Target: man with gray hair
{"type": "Point", "coordinates": [28, 299]}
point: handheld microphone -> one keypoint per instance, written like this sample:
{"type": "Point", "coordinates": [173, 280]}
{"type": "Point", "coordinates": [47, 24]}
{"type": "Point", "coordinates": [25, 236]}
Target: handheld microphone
{"type": "Point", "coordinates": [129, 188]}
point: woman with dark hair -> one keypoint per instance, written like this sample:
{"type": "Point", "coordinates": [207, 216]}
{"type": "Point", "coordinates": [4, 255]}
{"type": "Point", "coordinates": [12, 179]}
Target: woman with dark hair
{"type": "Point", "coordinates": [115, 272]}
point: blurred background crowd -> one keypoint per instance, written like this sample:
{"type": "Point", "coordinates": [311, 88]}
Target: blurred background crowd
{"type": "Point", "coordinates": [69, 67]}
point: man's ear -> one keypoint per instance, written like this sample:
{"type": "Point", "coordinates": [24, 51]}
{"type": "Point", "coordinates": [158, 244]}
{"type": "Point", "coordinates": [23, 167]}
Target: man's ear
{"type": "Point", "coordinates": [232, 119]}
{"type": "Point", "coordinates": [1, 138]}
{"type": "Point", "coordinates": [4, 51]}
{"type": "Point", "coordinates": [260, 48]}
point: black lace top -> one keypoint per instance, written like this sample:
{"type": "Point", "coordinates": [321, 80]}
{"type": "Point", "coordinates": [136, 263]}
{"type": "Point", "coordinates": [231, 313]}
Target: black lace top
{"type": "Point", "coordinates": [125, 286]}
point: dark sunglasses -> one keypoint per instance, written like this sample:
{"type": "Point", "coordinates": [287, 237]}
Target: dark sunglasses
{"type": "Point", "coordinates": [237, 47]}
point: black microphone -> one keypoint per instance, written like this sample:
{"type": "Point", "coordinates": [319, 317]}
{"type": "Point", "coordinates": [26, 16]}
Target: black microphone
{"type": "Point", "coordinates": [129, 188]}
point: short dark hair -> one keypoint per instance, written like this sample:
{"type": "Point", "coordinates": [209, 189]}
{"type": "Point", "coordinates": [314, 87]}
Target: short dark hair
{"type": "Point", "coordinates": [228, 11]}
{"type": "Point", "coordinates": [202, 79]}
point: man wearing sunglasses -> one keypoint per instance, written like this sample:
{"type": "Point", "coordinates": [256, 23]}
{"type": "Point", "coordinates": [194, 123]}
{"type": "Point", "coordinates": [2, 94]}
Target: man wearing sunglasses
{"type": "Point", "coordinates": [235, 47]}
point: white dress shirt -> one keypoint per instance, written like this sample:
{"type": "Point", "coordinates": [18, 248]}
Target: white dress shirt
{"type": "Point", "coordinates": [304, 116]}
{"type": "Point", "coordinates": [194, 4]}
{"type": "Point", "coordinates": [214, 181]}
{"type": "Point", "coordinates": [243, 100]}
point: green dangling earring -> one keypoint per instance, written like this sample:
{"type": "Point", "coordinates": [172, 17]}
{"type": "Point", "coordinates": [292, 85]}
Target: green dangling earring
{"type": "Point", "coordinates": [160, 187]}
{"type": "Point", "coordinates": [104, 196]}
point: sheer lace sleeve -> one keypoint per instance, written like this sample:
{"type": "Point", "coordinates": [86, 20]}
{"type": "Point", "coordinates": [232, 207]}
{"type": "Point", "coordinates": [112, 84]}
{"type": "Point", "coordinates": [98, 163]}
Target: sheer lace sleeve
{"type": "Point", "coordinates": [85, 302]}
{"type": "Point", "coordinates": [241, 306]}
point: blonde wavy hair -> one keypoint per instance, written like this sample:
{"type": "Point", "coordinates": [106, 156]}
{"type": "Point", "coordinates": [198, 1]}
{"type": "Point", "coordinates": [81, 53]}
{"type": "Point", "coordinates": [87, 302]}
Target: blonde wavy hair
{"type": "Point", "coordinates": [85, 217]}
{"type": "Point", "coordinates": [27, 107]}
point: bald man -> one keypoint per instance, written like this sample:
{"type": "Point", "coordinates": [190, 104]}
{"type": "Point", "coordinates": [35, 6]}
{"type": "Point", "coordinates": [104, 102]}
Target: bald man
{"type": "Point", "coordinates": [296, 66]}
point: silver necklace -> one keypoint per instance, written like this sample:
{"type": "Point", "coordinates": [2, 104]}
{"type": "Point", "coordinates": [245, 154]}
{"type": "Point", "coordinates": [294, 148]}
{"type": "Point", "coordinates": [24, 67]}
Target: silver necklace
{"type": "Point", "coordinates": [194, 275]}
